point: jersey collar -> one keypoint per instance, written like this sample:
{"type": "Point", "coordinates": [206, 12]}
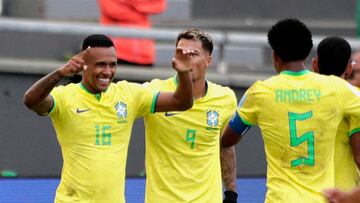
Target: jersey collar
{"type": "Point", "coordinates": [97, 95]}
{"type": "Point", "coordinates": [295, 73]}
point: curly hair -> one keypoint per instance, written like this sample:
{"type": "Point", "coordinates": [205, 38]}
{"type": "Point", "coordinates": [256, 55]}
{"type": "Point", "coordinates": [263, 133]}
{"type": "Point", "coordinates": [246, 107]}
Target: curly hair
{"type": "Point", "coordinates": [290, 39]}
{"type": "Point", "coordinates": [333, 55]}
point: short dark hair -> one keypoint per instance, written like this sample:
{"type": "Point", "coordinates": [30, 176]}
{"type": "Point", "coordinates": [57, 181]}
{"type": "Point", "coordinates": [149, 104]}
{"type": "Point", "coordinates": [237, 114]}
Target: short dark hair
{"type": "Point", "coordinates": [197, 34]}
{"type": "Point", "coordinates": [97, 40]}
{"type": "Point", "coordinates": [290, 39]}
{"type": "Point", "coordinates": [333, 55]}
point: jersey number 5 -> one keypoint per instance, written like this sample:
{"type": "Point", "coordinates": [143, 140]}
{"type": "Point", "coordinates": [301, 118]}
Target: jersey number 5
{"type": "Point", "coordinates": [296, 141]}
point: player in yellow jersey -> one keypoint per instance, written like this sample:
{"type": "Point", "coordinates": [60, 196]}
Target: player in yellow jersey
{"type": "Point", "coordinates": [183, 149]}
{"type": "Point", "coordinates": [298, 112]}
{"type": "Point", "coordinates": [93, 119]}
{"type": "Point", "coordinates": [333, 58]}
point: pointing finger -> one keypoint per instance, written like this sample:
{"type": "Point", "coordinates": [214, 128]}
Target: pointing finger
{"type": "Point", "coordinates": [83, 53]}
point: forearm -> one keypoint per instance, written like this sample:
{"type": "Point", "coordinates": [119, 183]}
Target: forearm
{"type": "Point", "coordinates": [184, 93]}
{"type": "Point", "coordinates": [41, 89]}
{"type": "Point", "coordinates": [228, 168]}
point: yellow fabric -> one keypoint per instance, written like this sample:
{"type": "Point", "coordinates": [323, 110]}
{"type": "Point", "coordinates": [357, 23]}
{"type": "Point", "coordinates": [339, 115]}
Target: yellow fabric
{"type": "Point", "coordinates": [346, 171]}
{"type": "Point", "coordinates": [94, 136]}
{"type": "Point", "coordinates": [182, 150]}
{"type": "Point", "coordinates": [298, 114]}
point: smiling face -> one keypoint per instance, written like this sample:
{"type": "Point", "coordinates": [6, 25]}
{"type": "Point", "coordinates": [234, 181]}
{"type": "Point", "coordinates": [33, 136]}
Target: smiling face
{"type": "Point", "coordinates": [101, 68]}
{"type": "Point", "coordinates": [202, 57]}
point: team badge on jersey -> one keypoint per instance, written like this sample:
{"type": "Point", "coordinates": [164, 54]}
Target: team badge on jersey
{"type": "Point", "coordinates": [121, 110]}
{"type": "Point", "coordinates": [212, 118]}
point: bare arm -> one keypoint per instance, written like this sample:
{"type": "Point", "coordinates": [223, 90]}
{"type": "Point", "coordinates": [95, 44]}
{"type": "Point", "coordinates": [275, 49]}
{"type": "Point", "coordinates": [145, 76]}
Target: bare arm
{"type": "Point", "coordinates": [37, 98]}
{"type": "Point", "coordinates": [229, 138]}
{"type": "Point", "coordinates": [228, 168]}
{"type": "Point", "coordinates": [355, 145]}
{"type": "Point", "coordinates": [182, 98]}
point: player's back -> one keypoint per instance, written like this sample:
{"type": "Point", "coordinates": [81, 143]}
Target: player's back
{"type": "Point", "coordinates": [298, 113]}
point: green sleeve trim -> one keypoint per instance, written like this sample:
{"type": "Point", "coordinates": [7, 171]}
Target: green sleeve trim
{"type": "Point", "coordinates": [356, 130]}
{"type": "Point", "coordinates": [53, 106]}
{"type": "Point", "coordinates": [246, 122]}
{"type": "Point", "coordinates": [153, 104]}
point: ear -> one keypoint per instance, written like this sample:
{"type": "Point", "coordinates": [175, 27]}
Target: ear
{"type": "Point", "coordinates": [315, 65]}
{"type": "Point", "coordinates": [208, 60]}
{"type": "Point", "coordinates": [348, 70]}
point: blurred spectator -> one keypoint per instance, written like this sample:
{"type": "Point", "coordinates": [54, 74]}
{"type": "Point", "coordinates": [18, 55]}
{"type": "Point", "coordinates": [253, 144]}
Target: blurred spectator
{"type": "Point", "coordinates": [354, 77]}
{"type": "Point", "coordinates": [131, 13]}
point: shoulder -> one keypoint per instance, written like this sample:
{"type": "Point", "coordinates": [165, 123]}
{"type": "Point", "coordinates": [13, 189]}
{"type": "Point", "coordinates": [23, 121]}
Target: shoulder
{"type": "Point", "coordinates": [226, 94]}
{"type": "Point", "coordinates": [220, 90]}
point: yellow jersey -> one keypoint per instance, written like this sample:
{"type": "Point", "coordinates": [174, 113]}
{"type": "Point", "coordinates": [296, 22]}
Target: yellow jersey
{"type": "Point", "coordinates": [93, 131]}
{"type": "Point", "coordinates": [346, 171]}
{"type": "Point", "coordinates": [298, 114]}
{"type": "Point", "coordinates": [183, 148]}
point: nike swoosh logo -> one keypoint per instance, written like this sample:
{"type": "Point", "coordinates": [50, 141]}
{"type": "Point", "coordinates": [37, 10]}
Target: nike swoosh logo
{"type": "Point", "coordinates": [82, 110]}
{"type": "Point", "coordinates": [170, 114]}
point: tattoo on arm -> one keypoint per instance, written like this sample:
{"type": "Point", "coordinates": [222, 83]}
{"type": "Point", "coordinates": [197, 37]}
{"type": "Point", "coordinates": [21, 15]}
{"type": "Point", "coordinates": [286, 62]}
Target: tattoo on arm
{"type": "Point", "coordinates": [228, 167]}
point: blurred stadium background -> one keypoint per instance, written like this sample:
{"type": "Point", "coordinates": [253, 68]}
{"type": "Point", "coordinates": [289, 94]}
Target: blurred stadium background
{"type": "Point", "coordinates": [37, 36]}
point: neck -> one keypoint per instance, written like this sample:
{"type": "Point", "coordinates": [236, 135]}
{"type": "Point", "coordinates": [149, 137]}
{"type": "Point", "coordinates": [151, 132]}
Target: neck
{"type": "Point", "coordinates": [295, 66]}
{"type": "Point", "coordinates": [199, 88]}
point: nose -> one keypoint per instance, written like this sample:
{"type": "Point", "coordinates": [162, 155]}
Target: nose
{"type": "Point", "coordinates": [107, 70]}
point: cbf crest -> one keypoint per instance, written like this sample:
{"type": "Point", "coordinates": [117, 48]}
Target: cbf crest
{"type": "Point", "coordinates": [212, 118]}
{"type": "Point", "coordinates": [121, 110]}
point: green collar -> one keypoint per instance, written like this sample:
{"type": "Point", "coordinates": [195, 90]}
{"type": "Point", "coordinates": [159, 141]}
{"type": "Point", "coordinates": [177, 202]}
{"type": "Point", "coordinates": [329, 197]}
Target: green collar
{"type": "Point", "coordinates": [97, 95]}
{"type": "Point", "coordinates": [295, 73]}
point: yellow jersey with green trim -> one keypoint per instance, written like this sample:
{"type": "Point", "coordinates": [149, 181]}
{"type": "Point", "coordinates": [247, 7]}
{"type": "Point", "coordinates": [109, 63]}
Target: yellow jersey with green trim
{"type": "Point", "coordinates": [298, 114]}
{"type": "Point", "coordinates": [93, 131]}
{"type": "Point", "coordinates": [183, 148]}
{"type": "Point", "coordinates": [346, 171]}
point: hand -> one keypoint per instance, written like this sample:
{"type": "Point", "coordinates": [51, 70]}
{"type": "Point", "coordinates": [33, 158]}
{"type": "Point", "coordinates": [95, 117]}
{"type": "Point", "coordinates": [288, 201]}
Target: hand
{"type": "Point", "coordinates": [183, 59]}
{"type": "Point", "coordinates": [230, 197]}
{"type": "Point", "coordinates": [337, 196]}
{"type": "Point", "coordinates": [75, 65]}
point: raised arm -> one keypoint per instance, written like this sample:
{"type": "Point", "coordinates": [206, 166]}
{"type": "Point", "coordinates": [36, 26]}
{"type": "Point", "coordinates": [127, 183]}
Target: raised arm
{"type": "Point", "coordinates": [182, 98]}
{"type": "Point", "coordinates": [37, 98]}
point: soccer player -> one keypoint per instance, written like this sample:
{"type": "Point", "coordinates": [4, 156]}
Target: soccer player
{"type": "Point", "coordinates": [333, 58]}
{"type": "Point", "coordinates": [183, 148]}
{"type": "Point", "coordinates": [298, 112]}
{"type": "Point", "coordinates": [93, 119]}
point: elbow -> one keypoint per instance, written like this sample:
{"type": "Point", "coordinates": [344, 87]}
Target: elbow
{"type": "Point", "coordinates": [28, 101]}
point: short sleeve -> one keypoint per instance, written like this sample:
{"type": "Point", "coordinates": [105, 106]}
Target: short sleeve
{"type": "Point", "coordinates": [354, 125]}
{"type": "Point", "coordinates": [349, 97]}
{"type": "Point", "coordinates": [145, 98]}
{"type": "Point", "coordinates": [248, 105]}
{"type": "Point", "coordinates": [232, 108]}
{"type": "Point", "coordinates": [56, 95]}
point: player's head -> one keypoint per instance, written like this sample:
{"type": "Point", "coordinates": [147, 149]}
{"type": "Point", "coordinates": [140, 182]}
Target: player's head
{"type": "Point", "coordinates": [290, 41]}
{"type": "Point", "coordinates": [202, 43]}
{"type": "Point", "coordinates": [100, 63]}
{"type": "Point", "coordinates": [354, 77]}
{"type": "Point", "coordinates": [333, 57]}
